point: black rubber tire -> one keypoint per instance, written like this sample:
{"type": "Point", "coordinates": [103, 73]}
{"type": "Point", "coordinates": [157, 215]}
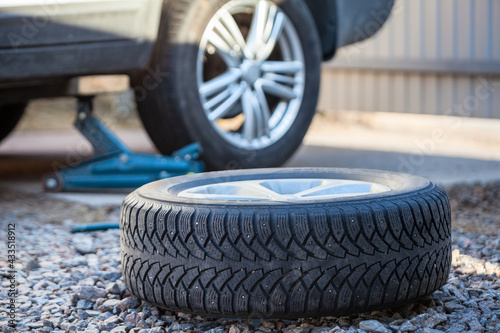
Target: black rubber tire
{"type": "Point", "coordinates": [170, 108]}
{"type": "Point", "coordinates": [282, 259]}
{"type": "Point", "coordinates": [10, 115]}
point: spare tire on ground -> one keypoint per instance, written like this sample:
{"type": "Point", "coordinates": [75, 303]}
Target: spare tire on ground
{"type": "Point", "coordinates": [285, 243]}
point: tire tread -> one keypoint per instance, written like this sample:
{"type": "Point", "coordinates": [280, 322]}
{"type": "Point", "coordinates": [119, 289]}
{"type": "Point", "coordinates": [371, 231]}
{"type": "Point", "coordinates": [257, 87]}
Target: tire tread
{"type": "Point", "coordinates": [324, 260]}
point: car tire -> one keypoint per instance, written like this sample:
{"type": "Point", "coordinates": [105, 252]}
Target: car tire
{"type": "Point", "coordinates": [169, 94]}
{"type": "Point", "coordinates": [10, 115]}
{"type": "Point", "coordinates": [209, 244]}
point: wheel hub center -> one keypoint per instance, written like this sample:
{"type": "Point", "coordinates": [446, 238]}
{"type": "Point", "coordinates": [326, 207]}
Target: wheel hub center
{"type": "Point", "coordinates": [251, 71]}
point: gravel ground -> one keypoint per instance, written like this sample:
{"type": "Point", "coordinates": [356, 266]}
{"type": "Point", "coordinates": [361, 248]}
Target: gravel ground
{"type": "Point", "coordinates": [72, 282]}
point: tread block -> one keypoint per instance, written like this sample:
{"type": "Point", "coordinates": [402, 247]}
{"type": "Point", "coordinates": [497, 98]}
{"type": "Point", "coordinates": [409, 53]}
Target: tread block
{"type": "Point", "coordinates": [300, 225]}
{"type": "Point", "coordinates": [181, 296]}
{"type": "Point", "coordinates": [325, 280]}
{"type": "Point", "coordinates": [218, 226]}
{"type": "Point", "coordinates": [341, 277]}
{"type": "Point", "coordinates": [226, 302]}
{"type": "Point", "coordinates": [277, 250]}
{"type": "Point", "coordinates": [376, 293]}
{"type": "Point", "coordinates": [197, 298]}
{"type": "Point", "coordinates": [278, 300]}
{"type": "Point", "coordinates": [310, 277]}
{"type": "Point", "coordinates": [168, 296]}
{"type": "Point", "coordinates": [263, 227]}
{"type": "Point", "coordinates": [350, 247]}
{"type": "Point", "coordinates": [314, 300]}
{"type": "Point", "coordinates": [365, 245]}
{"type": "Point", "coordinates": [356, 275]}
{"type": "Point", "coordinates": [207, 276]}
{"type": "Point", "coordinates": [270, 280]}
{"type": "Point", "coordinates": [402, 267]}
{"type": "Point", "coordinates": [241, 301]}
{"type": "Point", "coordinates": [371, 274]}
{"type": "Point", "coordinates": [366, 219]}
{"type": "Point", "coordinates": [237, 278]}
{"type": "Point", "coordinates": [319, 223]}
{"type": "Point", "coordinates": [386, 271]}
{"type": "Point", "coordinates": [252, 278]}
{"type": "Point", "coordinates": [352, 223]}
{"type": "Point", "coordinates": [329, 301]}
{"type": "Point", "coordinates": [290, 278]}
{"type": "Point", "coordinates": [344, 298]}
{"type": "Point", "coordinates": [297, 251]}
{"type": "Point", "coordinates": [282, 227]}
{"type": "Point", "coordinates": [404, 287]}
{"type": "Point", "coordinates": [360, 295]}
{"type": "Point", "coordinates": [298, 299]}
{"type": "Point", "coordinates": [337, 225]}
{"type": "Point", "coordinates": [334, 248]}
{"type": "Point", "coordinates": [314, 249]}
{"type": "Point", "coordinates": [258, 302]}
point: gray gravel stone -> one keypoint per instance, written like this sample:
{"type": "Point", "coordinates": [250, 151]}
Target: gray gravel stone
{"type": "Point", "coordinates": [419, 321]}
{"type": "Point", "coordinates": [430, 330]}
{"type": "Point", "coordinates": [109, 304]}
{"type": "Point", "coordinates": [435, 320]}
{"type": "Point", "coordinates": [128, 303]}
{"type": "Point", "coordinates": [475, 325]}
{"type": "Point", "coordinates": [373, 326]}
{"type": "Point", "coordinates": [84, 304]}
{"type": "Point", "coordinates": [91, 293]}
{"type": "Point", "coordinates": [403, 326]}
{"type": "Point", "coordinates": [83, 244]}
{"type": "Point", "coordinates": [120, 329]}
{"type": "Point", "coordinates": [32, 265]}
{"type": "Point", "coordinates": [115, 288]}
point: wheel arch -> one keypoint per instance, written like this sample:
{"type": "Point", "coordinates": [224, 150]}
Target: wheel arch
{"type": "Point", "coordinates": [343, 22]}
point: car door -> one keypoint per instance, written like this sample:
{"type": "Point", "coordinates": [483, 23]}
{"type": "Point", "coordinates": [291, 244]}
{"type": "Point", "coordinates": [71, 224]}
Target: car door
{"type": "Point", "coordinates": [44, 38]}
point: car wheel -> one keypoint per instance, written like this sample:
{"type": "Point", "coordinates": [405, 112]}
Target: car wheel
{"type": "Point", "coordinates": [9, 117]}
{"type": "Point", "coordinates": [239, 77]}
{"type": "Point", "coordinates": [285, 243]}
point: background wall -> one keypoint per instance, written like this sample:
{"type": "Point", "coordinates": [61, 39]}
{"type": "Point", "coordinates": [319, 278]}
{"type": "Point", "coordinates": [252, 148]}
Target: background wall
{"type": "Point", "coordinates": [432, 57]}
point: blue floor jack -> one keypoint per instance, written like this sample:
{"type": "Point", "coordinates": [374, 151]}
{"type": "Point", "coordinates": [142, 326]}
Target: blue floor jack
{"type": "Point", "coordinates": [114, 165]}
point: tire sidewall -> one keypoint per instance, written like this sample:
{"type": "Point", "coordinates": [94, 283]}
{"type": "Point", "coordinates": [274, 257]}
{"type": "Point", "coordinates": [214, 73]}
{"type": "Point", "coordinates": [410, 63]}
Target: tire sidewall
{"type": "Point", "coordinates": [401, 184]}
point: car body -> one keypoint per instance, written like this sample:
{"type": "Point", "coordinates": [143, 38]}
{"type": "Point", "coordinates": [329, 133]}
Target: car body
{"type": "Point", "coordinates": [45, 43]}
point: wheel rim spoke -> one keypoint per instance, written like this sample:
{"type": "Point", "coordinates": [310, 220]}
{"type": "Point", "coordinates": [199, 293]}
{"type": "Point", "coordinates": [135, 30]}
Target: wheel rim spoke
{"type": "Point", "coordinates": [281, 78]}
{"type": "Point", "coordinates": [264, 109]}
{"type": "Point", "coordinates": [256, 33]}
{"type": "Point", "coordinates": [282, 67]}
{"type": "Point", "coordinates": [226, 106]}
{"type": "Point", "coordinates": [250, 123]}
{"type": "Point", "coordinates": [277, 89]}
{"type": "Point", "coordinates": [274, 34]}
{"type": "Point", "coordinates": [235, 31]}
{"type": "Point", "coordinates": [336, 189]}
{"type": "Point", "coordinates": [229, 39]}
{"type": "Point", "coordinates": [223, 49]}
{"type": "Point", "coordinates": [219, 98]}
{"type": "Point", "coordinates": [220, 82]}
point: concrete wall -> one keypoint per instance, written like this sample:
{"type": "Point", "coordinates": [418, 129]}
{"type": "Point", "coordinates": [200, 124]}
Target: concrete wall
{"type": "Point", "coordinates": [432, 57]}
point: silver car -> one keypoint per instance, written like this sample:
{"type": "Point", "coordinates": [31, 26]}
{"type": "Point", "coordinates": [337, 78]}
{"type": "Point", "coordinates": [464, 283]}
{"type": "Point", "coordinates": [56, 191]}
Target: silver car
{"type": "Point", "coordinates": [241, 77]}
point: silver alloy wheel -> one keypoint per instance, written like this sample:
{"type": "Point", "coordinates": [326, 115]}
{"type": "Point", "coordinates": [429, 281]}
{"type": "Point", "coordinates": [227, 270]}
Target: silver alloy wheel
{"type": "Point", "coordinates": [254, 101]}
{"type": "Point", "coordinates": [301, 189]}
